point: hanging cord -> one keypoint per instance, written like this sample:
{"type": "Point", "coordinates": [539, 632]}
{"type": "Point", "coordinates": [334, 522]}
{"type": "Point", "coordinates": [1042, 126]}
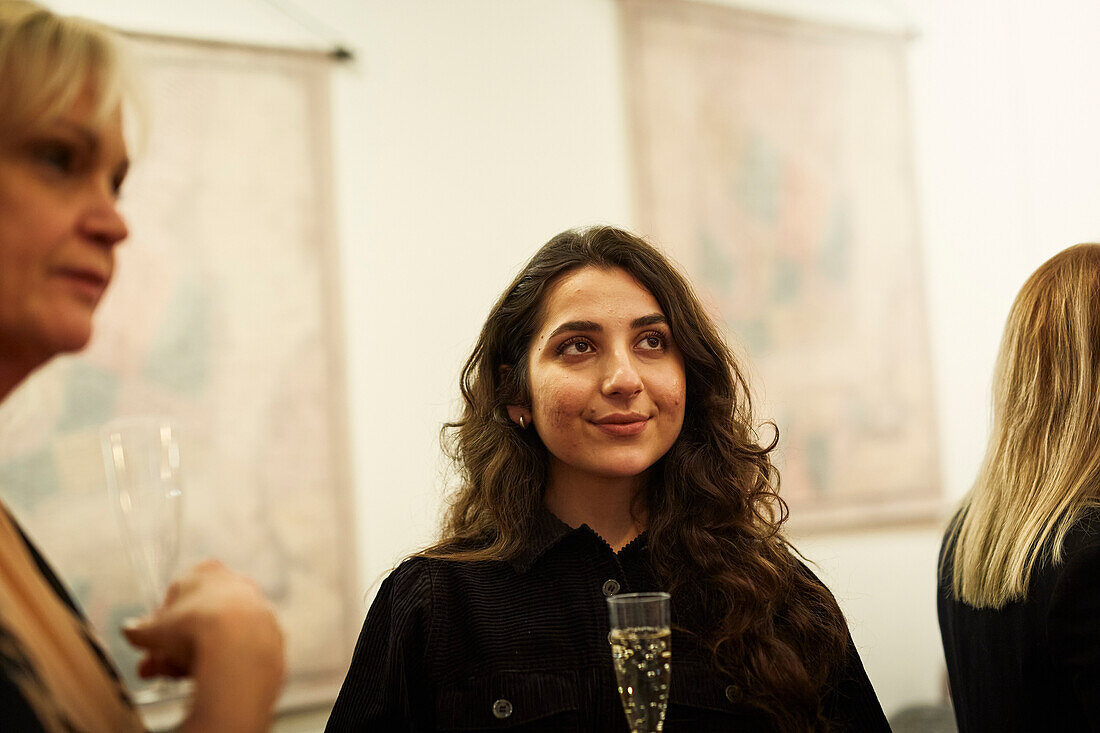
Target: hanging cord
{"type": "Point", "coordinates": [338, 51]}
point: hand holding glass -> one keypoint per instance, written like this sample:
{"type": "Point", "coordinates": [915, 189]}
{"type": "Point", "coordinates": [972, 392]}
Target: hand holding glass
{"type": "Point", "coordinates": [640, 648]}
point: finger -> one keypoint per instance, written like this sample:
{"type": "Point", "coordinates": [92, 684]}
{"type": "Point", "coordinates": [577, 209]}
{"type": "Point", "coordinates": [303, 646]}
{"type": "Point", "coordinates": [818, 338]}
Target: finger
{"type": "Point", "coordinates": [171, 595]}
{"type": "Point", "coordinates": [188, 580]}
{"type": "Point", "coordinates": [158, 634]}
{"type": "Point", "coordinates": [169, 650]}
{"type": "Point", "coordinates": [139, 630]}
{"type": "Point", "coordinates": [148, 667]}
{"type": "Point", "coordinates": [210, 564]}
{"type": "Point", "coordinates": [175, 671]}
{"type": "Point", "coordinates": [155, 664]}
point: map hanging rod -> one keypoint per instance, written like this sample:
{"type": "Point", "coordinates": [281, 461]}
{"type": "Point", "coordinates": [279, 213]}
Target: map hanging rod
{"type": "Point", "coordinates": [338, 50]}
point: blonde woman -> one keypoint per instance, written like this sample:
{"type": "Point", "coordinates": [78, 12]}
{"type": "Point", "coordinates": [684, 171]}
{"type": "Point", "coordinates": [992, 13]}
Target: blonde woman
{"type": "Point", "coordinates": [63, 159]}
{"type": "Point", "coordinates": [1019, 600]}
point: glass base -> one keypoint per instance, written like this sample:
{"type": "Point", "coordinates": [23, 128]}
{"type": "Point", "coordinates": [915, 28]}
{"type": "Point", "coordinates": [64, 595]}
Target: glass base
{"type": "Point", "coordinates": [161, 690]}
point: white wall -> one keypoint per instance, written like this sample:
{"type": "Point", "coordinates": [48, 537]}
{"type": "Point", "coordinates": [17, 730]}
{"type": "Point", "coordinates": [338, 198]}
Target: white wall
{"type": "Point", "coordinates": [468, 132]}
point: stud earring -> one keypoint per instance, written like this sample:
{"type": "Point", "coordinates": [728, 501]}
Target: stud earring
{"type": "Point", "coordinates": [522, 423]}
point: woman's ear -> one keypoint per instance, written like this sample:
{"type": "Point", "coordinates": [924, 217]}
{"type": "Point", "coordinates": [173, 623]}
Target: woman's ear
{"type": "Point", "coordinates": [519, 415]}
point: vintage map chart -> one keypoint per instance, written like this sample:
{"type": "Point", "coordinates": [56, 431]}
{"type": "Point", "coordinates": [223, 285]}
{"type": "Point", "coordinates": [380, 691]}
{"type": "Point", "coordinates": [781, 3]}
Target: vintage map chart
{"type": "Point", "coordinates": [773, 161]}
{"type": "Point", "coordinates": [223, 315]}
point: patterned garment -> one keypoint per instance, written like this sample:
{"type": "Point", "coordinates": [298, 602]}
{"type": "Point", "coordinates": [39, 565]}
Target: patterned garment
{"type": "Point", "coordinates": [26, 701]}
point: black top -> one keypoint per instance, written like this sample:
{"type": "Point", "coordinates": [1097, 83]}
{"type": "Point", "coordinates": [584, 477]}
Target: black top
{"type": "Point", "coordinates": [17, 673]}
{"type": "Point", "coordinates": [522, 645]}
{"type": "Point", "coordinates": [1032, 665]}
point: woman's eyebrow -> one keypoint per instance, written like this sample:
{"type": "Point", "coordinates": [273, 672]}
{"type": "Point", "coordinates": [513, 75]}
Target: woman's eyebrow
{"type": "Point", "coordinates": [651, 320]}
{"type": "Point", "coordinates": [588, 326]}
{"type": "Point", "coordinates": [87, 135]}
{"type": "Point", "coordinates": [593, 327]}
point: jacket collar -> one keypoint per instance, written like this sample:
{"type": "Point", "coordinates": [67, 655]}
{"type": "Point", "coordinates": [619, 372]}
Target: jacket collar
{"type": "Point", "coordinates": [547, 531]}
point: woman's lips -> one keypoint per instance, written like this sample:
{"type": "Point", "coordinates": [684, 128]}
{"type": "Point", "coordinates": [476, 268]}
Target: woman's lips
{"type": "Point", "coordinates": [623, 429]}
{"type": "Point", "coordinates": [88, 284]}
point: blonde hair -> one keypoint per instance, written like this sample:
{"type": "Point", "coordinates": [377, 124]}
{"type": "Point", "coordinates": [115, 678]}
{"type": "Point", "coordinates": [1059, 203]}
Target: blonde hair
{"type": "Point", "coordinates": [1042, 468]}
{"type": "Point", "coordinates": [47, 61]}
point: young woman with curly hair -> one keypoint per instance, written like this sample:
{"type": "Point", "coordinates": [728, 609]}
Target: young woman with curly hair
{"type": "Point", "coordinates": [606, 445]}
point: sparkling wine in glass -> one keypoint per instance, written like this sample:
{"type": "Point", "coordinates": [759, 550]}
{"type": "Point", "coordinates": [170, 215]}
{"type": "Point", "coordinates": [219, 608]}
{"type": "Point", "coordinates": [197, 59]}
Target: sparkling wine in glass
{"type": "Point", "coordinates": [142, 462]}
{"type": "Point", "coordinates": [641, 650]}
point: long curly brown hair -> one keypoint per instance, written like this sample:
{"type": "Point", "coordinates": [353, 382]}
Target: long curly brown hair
{"type": "Point", "coordinates": [714, 511]}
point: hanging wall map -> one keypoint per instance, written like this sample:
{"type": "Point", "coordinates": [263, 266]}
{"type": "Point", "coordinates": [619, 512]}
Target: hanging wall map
{"type": "Point", "coordinates": [773, 161]}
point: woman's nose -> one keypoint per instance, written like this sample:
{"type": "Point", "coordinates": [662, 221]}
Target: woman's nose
{"type": "Point", "coordinates": [103, 222]}
{"type": "Point", "coordinates": [621, 378]}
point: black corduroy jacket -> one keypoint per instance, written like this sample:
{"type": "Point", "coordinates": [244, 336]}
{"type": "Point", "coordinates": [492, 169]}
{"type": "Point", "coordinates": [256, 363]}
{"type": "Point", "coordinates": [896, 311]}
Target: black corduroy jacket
{"type": "Point", "coordinates": [522, 646]}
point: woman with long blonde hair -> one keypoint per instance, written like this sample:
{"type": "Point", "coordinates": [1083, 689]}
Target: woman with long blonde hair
{"type": "Point", "coordinates": [63, 159]}
{"type": "Point", "coordinates": [1019, 600]}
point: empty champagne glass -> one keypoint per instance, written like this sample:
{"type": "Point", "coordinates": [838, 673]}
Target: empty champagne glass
{"type": "Point", "coordinates": [142, 462]}
{"type": "Point", "coordinates": [640, 647]}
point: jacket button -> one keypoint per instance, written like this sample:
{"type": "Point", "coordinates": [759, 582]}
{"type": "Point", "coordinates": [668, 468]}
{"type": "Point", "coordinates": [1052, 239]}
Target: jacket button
{"type": "Point", "coordinates": [611, 587]}
{"type": "Point", "coordinates": [502, 709]}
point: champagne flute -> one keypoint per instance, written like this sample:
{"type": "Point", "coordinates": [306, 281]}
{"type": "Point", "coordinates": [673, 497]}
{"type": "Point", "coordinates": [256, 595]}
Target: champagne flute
{"type": "Point", "coordinates": [142, 462]}
{"type": "Point", "coordinates": [640, 647]}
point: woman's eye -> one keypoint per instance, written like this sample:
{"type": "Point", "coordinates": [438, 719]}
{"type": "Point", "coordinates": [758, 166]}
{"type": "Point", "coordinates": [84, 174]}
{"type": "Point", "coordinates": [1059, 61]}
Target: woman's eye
{"type": "Point", "coordinates": [578, 346]}
{"type": "Point", "coordinates": [652, 341]}
{"type": "Point", "coordinates": [57, 156]}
